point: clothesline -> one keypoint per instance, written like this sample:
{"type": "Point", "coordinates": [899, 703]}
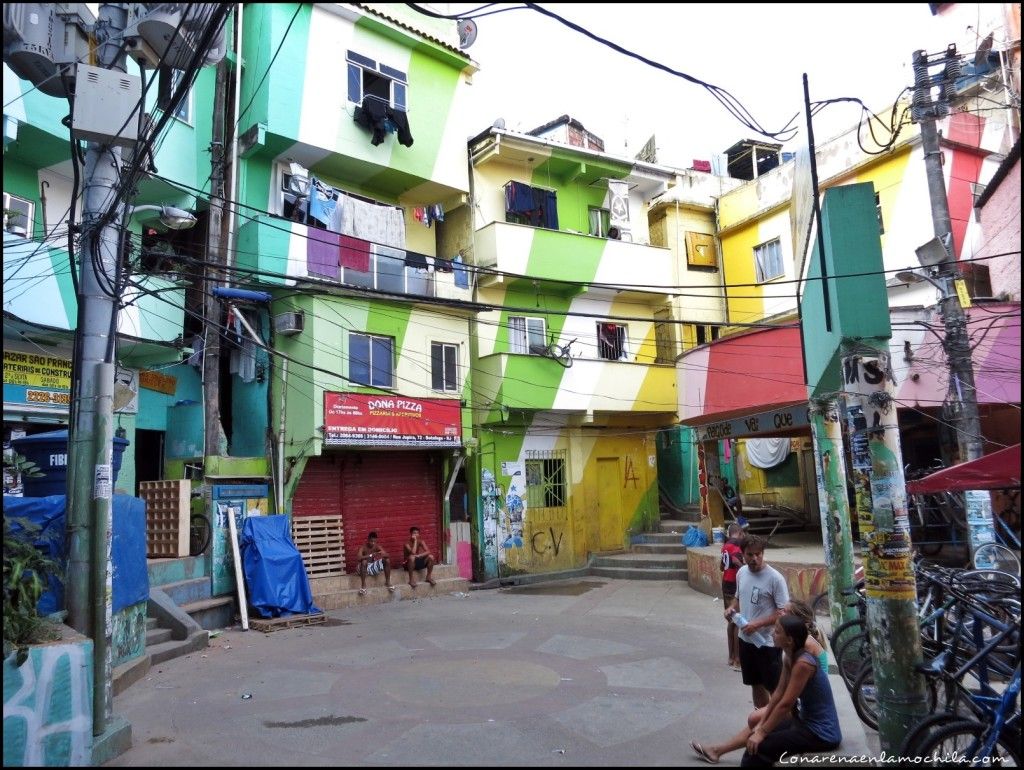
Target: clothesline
{"type": "Point", "coordinates": [387, 102]}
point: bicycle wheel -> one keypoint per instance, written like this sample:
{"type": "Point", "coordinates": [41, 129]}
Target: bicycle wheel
{"type": "Point", "coordinates": [993, 556]}
{"type": "Point", "coordinates": [199, 534]}
{"type": "Point", "coordinates": [966, 740]}
{"type": "Point", "coordinates": [852, 657]}
{"type": "Point", "coordinates": [846, 631]}
{"type": "Point", "coordinates": [865, 697]}
{"type": "Point", "coordinates": [910, 746]}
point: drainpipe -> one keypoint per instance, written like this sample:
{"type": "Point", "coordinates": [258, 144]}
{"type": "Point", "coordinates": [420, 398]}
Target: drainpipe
{"type": "Point", "coordinates": [102, 529]}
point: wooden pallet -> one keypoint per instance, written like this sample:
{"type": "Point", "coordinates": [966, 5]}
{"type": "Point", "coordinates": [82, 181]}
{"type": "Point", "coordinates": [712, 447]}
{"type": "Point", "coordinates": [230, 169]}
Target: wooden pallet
{"type": "Point", "coordinates": [269, 625]}
{"type": "Point", "coordinates": [168, 506]}
{"type": "Point", "coordinates": [321, 542]}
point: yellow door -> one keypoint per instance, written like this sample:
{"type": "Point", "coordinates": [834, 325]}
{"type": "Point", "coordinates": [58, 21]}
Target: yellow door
{"type": "Point", "coordinates": [609, 504]}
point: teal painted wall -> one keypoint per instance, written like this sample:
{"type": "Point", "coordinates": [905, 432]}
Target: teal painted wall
{"type": "Point", "coordinates": [48, 705]}
{"type": "Point", "coordinates": [677, 465]}
{"type": "Point", "coordinates": [249, 406]}
{"type": "Point", "coordinates": [859, 305]}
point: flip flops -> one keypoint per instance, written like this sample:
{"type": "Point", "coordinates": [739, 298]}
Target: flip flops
{"type": "Point", "coordinates": [432, 582]}
{"type": "Point", "coordinates": [391, 589]}
{"type": "Point", "coordinates": [701, 752]}
{"type": "Point", "coordinates": [362, 592]}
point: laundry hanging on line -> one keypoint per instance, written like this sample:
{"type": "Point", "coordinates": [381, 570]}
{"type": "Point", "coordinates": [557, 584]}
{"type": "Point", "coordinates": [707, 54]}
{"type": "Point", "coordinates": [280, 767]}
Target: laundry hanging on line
{"type": "Point", "coordinates": [378, 115]}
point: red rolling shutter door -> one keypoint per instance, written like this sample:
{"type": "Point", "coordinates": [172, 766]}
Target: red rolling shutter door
{"type": "Point", "coordinates": [319, 490]}
{"type": "Point", "coordinates": [390, 492]}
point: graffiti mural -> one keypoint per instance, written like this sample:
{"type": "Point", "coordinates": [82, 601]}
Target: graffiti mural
{"type": "Point", "coordinates": [48, 707]}
{"type": "Point", "coordinates": [129, 633]}
{"type": "Point", "coordinates": [489, 493]}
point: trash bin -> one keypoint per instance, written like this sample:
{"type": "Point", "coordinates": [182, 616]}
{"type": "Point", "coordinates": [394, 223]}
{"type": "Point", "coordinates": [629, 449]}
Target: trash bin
{"type": "Point", "coordinates": [50, 452]}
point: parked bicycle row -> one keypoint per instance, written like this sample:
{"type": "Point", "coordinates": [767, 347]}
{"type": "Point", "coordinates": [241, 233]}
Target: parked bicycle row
{"type": "Point", "coordinates": [970, 640]}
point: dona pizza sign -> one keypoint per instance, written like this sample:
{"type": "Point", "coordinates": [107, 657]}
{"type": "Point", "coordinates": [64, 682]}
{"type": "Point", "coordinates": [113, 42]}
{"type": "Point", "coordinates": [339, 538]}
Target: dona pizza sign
{"type": "Point", "coordinates": [353, 419]}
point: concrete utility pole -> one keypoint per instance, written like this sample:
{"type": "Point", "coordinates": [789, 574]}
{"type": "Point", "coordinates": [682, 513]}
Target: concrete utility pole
{"type": "Point", "coordinates": [890, 585]}
{"type": "Point", "coordinates": [957, 343]}
{"type": "Point", "coordinates": [90, 444]}
{"type": "Point", "coordinates": [215, 441]}
{"type": "Point", "coordinates": [833, 505]}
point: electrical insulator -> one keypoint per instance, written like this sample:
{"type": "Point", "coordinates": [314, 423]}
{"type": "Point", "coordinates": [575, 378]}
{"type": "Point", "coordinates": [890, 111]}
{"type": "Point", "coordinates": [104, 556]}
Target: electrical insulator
{"type": "Point", "coordinates": [950, 74]}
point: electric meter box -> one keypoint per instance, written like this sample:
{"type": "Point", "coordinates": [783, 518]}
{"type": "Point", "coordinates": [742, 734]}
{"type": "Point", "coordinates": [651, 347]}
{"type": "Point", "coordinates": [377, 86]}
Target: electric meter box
{"type": "Point", "coordinates": [107, 105]}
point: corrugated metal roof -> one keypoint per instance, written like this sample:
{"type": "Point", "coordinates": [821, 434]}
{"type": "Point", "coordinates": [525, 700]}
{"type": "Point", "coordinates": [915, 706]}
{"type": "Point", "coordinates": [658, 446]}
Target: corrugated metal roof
{"type": "Point", "coordinates": [380, 10]}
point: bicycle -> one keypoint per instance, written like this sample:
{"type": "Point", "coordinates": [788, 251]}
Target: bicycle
{"type": "Point", "coordinates": [199, 533]}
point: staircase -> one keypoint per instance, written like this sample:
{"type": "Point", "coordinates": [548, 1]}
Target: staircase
{"type": "Point", "coordinates": [341, 591]}
{"type": "Point", "coordinates": [657, 555]}
{"type": "Point", "coordinates": [772, 521]}
{"type": "Point", "coordinates": [181, 612]}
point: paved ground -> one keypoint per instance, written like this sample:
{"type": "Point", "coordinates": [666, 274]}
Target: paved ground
{"type": "Point", "coordinates": [584, 672]}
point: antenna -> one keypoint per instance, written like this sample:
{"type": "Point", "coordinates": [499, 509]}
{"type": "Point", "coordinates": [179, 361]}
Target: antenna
{"type": "Point", "coordinates": [467, 32]}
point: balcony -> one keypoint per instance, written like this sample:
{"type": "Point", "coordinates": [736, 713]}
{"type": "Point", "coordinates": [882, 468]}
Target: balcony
{"type": "Point", "coordinates": [589, 385]}
{"type": "Point", "coordinates": [283, 251]}
{"type": "Point", "coordinates": [552, 256]}
{"type": "Point", "coordinates": [38, 290]}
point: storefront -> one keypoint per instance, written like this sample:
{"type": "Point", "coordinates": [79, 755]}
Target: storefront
{"type": "Point", "coordinates": [384, 468]}
{"type": "Point", "coordinates": [37, 391]}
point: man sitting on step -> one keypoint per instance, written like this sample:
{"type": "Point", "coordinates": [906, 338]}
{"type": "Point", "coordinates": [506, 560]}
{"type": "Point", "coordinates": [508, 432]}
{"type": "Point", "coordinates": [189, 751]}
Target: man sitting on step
{"type": "Point", "coordinates": [417, 557]}
{"type": "Point", "coordinates": [372, 561]}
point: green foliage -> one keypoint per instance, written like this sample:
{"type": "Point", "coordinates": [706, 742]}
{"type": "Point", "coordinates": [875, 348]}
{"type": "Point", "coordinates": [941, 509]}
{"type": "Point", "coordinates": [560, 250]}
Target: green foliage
{"type": "Point", "coordinates": [23, 466]}
{"type": "Point", "coordinates": [27, 572]}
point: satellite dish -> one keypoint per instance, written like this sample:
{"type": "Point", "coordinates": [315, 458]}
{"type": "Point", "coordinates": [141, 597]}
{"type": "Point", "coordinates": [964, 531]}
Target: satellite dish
{"type": "Point", "coordinates": [467, 32]}
{"type": "Point", "coordinates": [499, 123]}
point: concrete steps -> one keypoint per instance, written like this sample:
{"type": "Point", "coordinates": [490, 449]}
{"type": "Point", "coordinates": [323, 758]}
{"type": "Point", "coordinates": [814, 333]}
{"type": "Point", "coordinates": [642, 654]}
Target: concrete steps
{"type": "Point", "coordinates": [641, 566]}
{"type": "Point", "coordinates": [342, 591]}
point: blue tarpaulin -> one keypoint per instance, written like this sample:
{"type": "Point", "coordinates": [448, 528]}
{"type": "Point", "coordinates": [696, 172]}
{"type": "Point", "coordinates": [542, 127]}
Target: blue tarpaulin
{"type": "Point", "coordinates": [274, 573]}
{"type": "Point", "coordinates": [128, 550]}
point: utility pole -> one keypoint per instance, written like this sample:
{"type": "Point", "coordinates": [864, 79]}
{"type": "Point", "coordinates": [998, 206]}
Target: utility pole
{"type": "Point", "coordinates": [957, 343]}
{"type": "Point", "coordinates": [215, 440]}
{"type": "Point", "coordinates": [90, 443]}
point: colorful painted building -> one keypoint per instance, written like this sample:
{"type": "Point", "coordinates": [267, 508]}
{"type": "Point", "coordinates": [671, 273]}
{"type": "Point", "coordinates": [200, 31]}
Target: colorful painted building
{"type": "Point", "coordinates": [573, 372]}
{"type": "Point", "coordinates": [751, 376]}
{"type": "Point", "coordinates": [353, 214]}
{"type": "Point", "coordinates": [40, 307]}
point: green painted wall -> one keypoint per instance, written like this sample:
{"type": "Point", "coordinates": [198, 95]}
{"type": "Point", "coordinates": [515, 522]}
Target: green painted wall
{"type": "Point", "coordinates": [859, 305]}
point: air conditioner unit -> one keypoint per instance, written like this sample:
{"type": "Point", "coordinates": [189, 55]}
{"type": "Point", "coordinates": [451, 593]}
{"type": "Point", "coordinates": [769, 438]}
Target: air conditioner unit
{"type": "Point", "coordinates": [288, 324]}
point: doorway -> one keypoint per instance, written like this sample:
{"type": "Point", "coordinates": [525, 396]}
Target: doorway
{"type": "Point", "coordinates": [149, 455]}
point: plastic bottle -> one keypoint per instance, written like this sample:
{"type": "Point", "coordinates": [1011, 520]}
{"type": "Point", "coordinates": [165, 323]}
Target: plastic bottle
{"type": "Point", "coordinates": [739, 620]}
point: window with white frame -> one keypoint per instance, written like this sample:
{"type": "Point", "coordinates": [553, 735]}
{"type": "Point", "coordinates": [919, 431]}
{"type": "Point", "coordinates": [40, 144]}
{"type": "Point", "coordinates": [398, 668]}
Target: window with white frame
{"type": "Point", "coordinates": [768, 261]}
{"type": "Point", "coordinates": [368, 78]}
{"type": "Point", "coordinates": [600, 221]}
{"type": "Point", "coordinates": [526, 334]}
{"type": "Point", "coordinates": [18, 213]}
{"type": "Point", "coordinates": [611, 341]}
{"type": "Point", "coordinates": [444, 366]}
{"type": "Point", "coordinates": [371, 360]}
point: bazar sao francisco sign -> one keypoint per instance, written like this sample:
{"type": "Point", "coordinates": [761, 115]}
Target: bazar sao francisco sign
{"type": "Point", "coordinates": [354, 419]}
{"type": "Point", "coordinates": [763, 424]}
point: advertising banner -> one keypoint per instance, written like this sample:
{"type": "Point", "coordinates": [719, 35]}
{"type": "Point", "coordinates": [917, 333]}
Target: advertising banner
{"type": "Point", "coordinates": [355, 419]}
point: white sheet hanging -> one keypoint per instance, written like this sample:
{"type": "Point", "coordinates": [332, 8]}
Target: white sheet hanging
{"type": "Point", "coordinates": [767, 452]}
{"type": "Point", "coordinates": [383, 225]}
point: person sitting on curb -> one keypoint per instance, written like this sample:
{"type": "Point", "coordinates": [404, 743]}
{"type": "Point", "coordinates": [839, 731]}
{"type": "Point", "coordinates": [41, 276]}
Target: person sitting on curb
{"type": "Point", "coordinates": [372, 561]}
{"type": "Point", "coordinates": [777, 730]}
{"type": "Point", "coordinates": [417, 557]}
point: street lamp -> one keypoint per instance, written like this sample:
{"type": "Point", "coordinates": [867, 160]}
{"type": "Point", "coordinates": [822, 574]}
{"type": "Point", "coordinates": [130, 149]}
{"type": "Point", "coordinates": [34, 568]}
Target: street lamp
{"type": "Point", "coordinates": [170, 216]}
{"type": "Point", "coordinates": [913, 275]}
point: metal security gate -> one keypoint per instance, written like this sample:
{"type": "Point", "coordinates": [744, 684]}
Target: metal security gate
{"type": "Point", "coordinates": [388, 492]}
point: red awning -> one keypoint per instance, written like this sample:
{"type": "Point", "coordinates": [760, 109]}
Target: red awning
{"type": "Point", "coordinates": [999, 470]}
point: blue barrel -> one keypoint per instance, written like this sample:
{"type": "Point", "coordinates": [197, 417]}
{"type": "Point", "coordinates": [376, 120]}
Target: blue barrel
{"type": "Point", "coordinates": [50, 452]}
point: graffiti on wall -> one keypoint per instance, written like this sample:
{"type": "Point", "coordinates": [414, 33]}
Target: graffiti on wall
{"type": "Point", "coordinates": [514, 515]}
{"type": "Point", "coordinates": [546, 542]}
{"type": "Point", "coordinates": [489, 492]}
{"type": "Point", "coordinates": [629, 476]}
{"type": "Point", "coordinates": [48, 707]}
{"type": "Point", "coordinates": [129, 633]}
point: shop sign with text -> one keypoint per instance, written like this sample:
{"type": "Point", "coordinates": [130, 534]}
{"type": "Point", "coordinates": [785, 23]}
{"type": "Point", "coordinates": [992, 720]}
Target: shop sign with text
{"type": "Point", "coordinates": [763, 424]}
{"type": "Point", "coordinates": [355, 419]}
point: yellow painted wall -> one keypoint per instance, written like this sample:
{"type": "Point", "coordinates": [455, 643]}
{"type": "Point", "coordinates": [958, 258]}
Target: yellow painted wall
{"type": "Point", "coordinates": [749, 304]}
{"type": "Point", "coordinates": [559, 540]}
{"type": "Point", "coordinates": [753, 482]}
